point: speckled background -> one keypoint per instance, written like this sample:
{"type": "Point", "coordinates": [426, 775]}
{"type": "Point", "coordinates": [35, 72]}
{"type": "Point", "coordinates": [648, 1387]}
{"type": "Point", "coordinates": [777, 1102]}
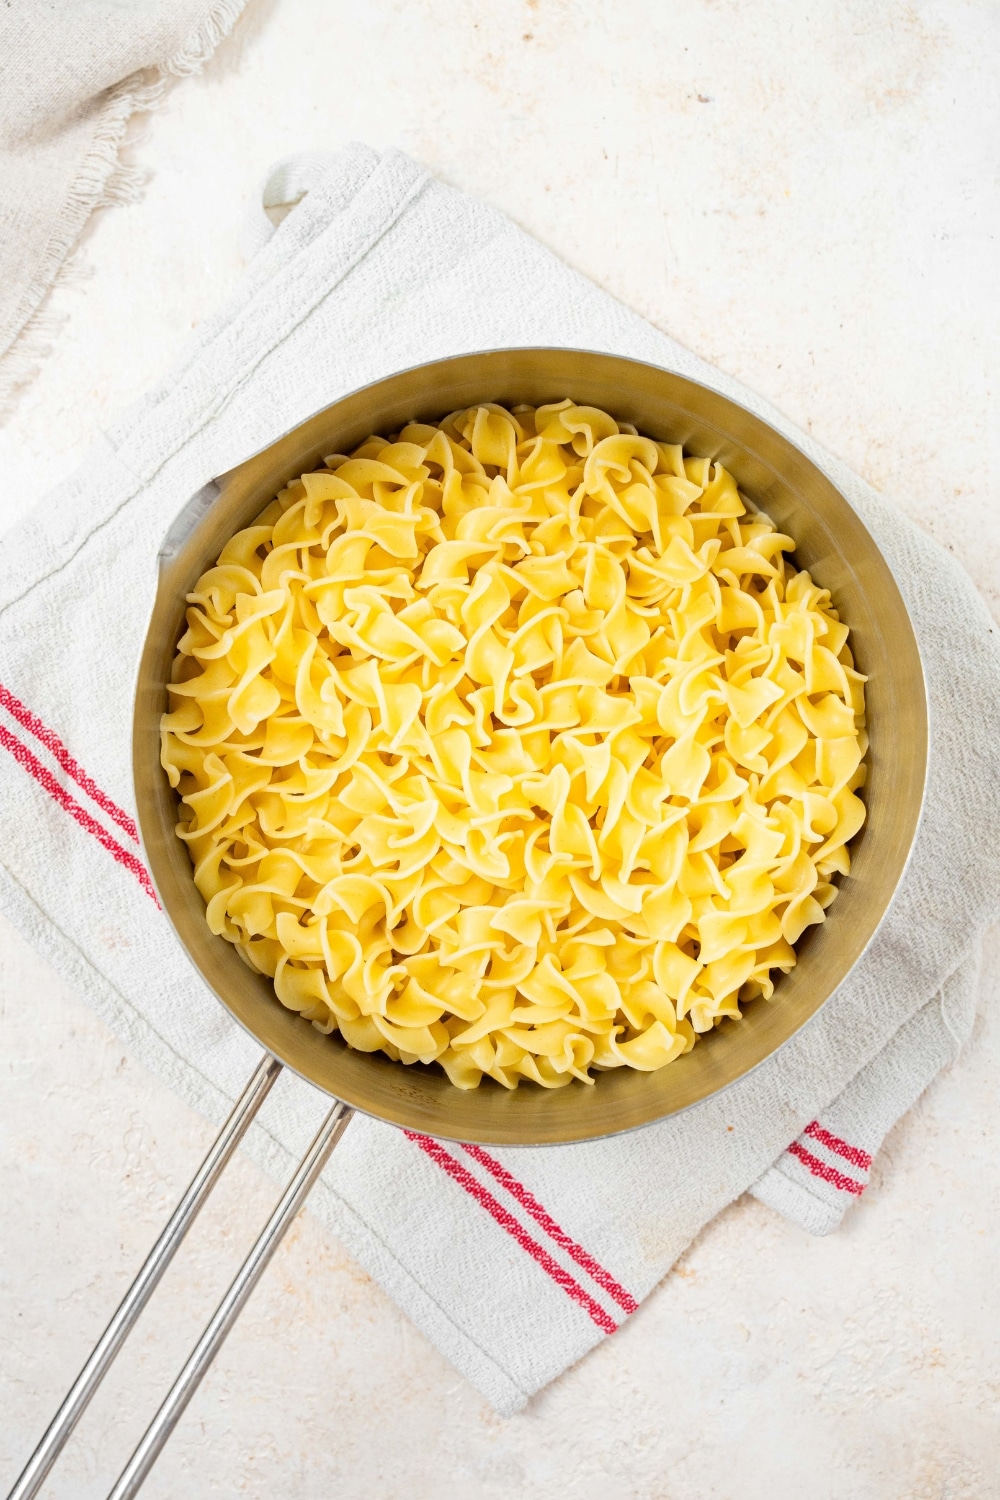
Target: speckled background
{"type": "Point", "coordinates": [808, 197]}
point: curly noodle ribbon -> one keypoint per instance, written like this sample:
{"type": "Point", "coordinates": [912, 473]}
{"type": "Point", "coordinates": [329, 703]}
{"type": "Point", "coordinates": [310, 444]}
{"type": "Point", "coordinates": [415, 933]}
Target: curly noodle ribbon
{"type": "Point", "coordinates": [515, 744]}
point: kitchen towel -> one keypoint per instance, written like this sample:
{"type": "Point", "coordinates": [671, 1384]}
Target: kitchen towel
{"type": "Point", "coordinates": [514, 1262]}
{"type": "Point", "coordinates": [71, 78]}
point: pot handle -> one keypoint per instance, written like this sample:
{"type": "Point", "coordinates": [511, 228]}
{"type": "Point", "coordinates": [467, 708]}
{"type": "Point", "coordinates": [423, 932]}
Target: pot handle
{"type": "Point", "coordinates": [77, 1399]}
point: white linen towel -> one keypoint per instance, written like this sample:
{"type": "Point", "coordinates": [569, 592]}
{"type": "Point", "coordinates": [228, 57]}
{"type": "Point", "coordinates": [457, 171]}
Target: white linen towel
{"type": "Point", "coordinates": [514, 1262]}
{"type": "Point", "coordinates": [71, 78]}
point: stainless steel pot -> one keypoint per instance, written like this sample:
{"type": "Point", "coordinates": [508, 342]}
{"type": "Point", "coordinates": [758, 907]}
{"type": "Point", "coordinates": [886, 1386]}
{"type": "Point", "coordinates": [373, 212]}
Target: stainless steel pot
{"type": "Point", "coordinates": [831, 542]}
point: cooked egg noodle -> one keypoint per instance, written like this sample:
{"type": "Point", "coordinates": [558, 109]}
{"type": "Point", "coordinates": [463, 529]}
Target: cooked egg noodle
{"type": "Point", "coordinates": [517, 745]}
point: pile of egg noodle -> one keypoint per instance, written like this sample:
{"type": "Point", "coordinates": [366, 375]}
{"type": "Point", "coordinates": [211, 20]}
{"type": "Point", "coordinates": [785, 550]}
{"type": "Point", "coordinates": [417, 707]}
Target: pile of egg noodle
{"type": "Point", "coordinates": [515, 744]}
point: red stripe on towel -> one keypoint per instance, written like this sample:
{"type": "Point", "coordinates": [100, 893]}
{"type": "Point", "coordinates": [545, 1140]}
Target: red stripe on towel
{"type": "Point", "coordinates": [828, 1174]}
{"type": "Point", "coordinates": [531, 1205]}
{"type": "Point", "coordinates": [507, 1221]}
{"type": "Point", "coordinates": [853, 1154]}
{"type": "Point", "coordinates": [48, 737]}
{"type": "Point", "coordinates": [30, 763]}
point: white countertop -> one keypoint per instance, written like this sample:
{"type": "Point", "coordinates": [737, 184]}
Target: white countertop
{"type": "Point", "coordinates": [807, 197]}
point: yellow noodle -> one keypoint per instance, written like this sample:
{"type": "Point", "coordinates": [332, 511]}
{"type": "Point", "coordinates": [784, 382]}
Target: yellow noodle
{"type": "Point", "coordinates": [515, 744]}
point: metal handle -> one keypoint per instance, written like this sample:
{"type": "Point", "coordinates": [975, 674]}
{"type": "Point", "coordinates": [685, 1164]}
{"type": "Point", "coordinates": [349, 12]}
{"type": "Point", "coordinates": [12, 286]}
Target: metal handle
{"type": "Point", "coordinates": [144, 1285]}
{"type": "Point", "coordinates": [229, 1309]}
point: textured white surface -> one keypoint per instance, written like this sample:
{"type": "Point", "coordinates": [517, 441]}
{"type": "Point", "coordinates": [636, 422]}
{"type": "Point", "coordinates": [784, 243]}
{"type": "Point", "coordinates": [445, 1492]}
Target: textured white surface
{"type": "Point", "coordinates": [810, 202]}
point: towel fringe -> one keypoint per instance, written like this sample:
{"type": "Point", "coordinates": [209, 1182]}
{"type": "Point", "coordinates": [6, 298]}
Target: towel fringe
{"type": "Point", "coordinates": [102, 181]}
{"type": "Point", "coordinates": [199, 47]}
